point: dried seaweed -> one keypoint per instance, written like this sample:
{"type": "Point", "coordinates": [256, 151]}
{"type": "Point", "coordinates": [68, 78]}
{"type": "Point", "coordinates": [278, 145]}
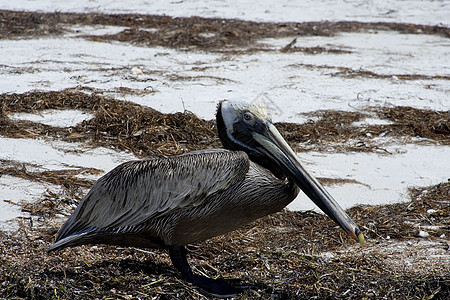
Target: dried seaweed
{"type": "Point", "coordinates": [347, 72]}
{"type": "Point", "coordinates": [212, 34]}
{"type": "Point", "coordinates": [410, 121]}
{"type": "Point", "coordinates": [404, 220]}
{"type": "Point", "coordinates": [116, 124]}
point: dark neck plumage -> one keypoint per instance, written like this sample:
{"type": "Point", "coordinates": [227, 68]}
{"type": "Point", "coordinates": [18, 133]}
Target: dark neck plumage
{"type": "Point", "coordinates": [222, 131]}
{"type": "Point", "coordinates": [255, 157]}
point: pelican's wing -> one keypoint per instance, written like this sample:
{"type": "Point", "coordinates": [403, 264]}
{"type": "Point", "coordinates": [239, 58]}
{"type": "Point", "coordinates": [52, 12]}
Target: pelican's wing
{"type": "Point", "coordinates": [136, 191]}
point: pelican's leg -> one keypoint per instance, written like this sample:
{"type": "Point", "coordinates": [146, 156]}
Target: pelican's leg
{"type": "Point", "coordinates": [215, 288]}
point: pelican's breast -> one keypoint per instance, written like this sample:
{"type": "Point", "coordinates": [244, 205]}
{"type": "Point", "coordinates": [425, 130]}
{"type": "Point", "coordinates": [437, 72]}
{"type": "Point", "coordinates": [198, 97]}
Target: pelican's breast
{"type": "Point", "coordinates": [258, 194]}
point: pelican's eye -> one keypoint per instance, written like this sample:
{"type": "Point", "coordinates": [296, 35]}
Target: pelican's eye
{"type": "Point", "coordinates": [249, 117]}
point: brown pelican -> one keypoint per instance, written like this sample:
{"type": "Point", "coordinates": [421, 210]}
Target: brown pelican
{"type": "Point", "coordinates": [174, 201]}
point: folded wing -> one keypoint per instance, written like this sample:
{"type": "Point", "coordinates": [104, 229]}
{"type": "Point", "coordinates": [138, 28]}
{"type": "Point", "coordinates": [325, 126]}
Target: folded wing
{"type": "Point", "coordinates": [134, 192]}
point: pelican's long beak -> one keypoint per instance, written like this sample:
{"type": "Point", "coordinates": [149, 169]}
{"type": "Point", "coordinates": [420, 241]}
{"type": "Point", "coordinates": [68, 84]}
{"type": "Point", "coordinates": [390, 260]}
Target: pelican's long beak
{"type": "Point", "coordinates": [274, 146]}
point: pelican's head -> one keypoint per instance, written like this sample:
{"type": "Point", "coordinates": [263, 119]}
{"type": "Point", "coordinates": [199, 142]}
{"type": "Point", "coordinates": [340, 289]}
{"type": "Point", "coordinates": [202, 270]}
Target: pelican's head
{"type": "Point", "coordinates": [239, 121]}
{"type": "Point", "coordinates": [247, 127]}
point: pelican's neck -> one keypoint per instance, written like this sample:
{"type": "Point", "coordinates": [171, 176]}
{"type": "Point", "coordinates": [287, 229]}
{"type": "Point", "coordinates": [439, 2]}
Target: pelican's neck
{"type": "Point", "coordinates": [222, 131]}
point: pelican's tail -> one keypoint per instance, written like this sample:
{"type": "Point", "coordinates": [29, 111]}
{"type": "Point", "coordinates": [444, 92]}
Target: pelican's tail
{"type": "Point", "coordinates": [76, 239]}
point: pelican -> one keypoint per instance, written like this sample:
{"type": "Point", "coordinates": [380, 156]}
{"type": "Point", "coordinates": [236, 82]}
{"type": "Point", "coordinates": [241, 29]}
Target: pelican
{"type": "Point", "coordinates": [169, 202]}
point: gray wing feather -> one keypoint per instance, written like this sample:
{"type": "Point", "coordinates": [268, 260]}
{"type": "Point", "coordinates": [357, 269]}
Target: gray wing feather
{"type": "Point", "coordinates": [137, 191]}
